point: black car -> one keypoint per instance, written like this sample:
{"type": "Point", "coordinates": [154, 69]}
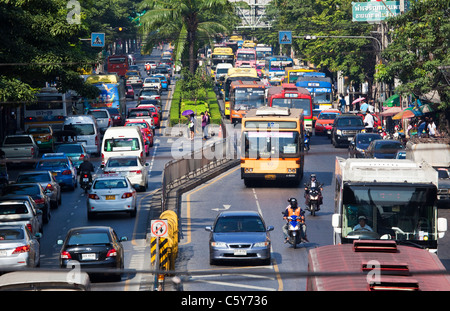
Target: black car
{"type": "Point", "coordinates": [360, 143]}
{"type": "Point", "coordinates": [384, 149]}
{"type": "Point", "coordinates": [37, 193]}
{"type": "Point", "coordinates": [116, 116]}
{"type": "Point", "coordinates": [345, 127]}
{"type": "Point", "coordinates": [93, 247]}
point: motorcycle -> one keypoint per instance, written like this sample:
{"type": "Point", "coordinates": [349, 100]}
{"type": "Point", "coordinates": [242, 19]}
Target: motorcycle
{"type": "Point", "coordinates": [294, 230]}
{"type": "Point", "coordinates": [85, 181]}
{"type": "Point", "coordinates": [307, 136]}
{"type": "Point", "coordinates": [314, 198]}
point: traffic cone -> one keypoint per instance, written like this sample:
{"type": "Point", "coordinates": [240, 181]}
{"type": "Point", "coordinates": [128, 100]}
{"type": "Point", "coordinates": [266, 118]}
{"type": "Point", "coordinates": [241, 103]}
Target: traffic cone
{"type": "Point", "coordinates": [220, 131]}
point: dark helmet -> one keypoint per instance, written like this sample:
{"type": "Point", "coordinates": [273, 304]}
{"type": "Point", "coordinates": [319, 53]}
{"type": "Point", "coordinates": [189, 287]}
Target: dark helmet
{"type": "Point", "coordinates": [293, 202]}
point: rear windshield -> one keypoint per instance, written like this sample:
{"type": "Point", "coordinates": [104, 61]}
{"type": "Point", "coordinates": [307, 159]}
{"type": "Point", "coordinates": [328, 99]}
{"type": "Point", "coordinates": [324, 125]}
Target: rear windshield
{"type": "Point", "coordinates": [80, 129]}
{"type": "Point", "coordinates": [50, 164]}
{"type": "Point", "coordinates": [18, 140]}
{"type": "Point", "coordinates": [110, 184]}
{"type": "Point", "coordinates": [10, 209]}
{"type": "Point", "coordinates": [99, 114]}
{"type": "Point", "coordinates": [22, 189]}
{"type": "Point", "coordinates": [89, 238]}
{"type": "Point", "coordinates": [70, 149]}
{"type": "Point", "coordinates": [11, 234]}
{"type": "Point", "coordinates": [33, 178]}
{"type": "Point", "coordinates": [122, 162]}
{"type": "Point", "coordinates": [121, 144]}
{"type": "Point", "coordinates": [138, 113]}
{"type": "Point", "coordinates": [33, 130]}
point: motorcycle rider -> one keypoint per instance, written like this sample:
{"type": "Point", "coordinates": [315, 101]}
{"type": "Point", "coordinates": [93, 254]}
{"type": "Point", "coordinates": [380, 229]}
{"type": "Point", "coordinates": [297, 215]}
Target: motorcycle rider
{"type": "Point", "coordinates": [313, 182]}
{"type": "Point", "coordinates": [87, 167]}
{"type": "Point", "coordinates": [294, 209]}
{"type": "Point", "coordinates": [147, 67]}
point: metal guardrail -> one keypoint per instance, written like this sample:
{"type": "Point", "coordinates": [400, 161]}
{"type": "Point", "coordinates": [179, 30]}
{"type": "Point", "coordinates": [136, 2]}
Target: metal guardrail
{"type": "Point", "coordinates": [179, 171]}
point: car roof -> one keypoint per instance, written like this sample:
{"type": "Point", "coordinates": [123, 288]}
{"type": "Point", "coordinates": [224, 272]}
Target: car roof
{"type": "Point", "coordinates": [34, 172]}
{"type": "Point", "coordinates": [123, 157]}
{"type": "Point", "coordinates": [238, 213]}
{"type": "Point", "coordinates": [90, 229]}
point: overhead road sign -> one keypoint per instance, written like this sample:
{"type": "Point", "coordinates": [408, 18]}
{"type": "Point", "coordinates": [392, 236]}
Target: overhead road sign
{"type": "Point", "coordinates": [376, 11]}
{"type": "Point", "coordinates": [97, 39]}
{"type": "Point", "coordinates": [285, 37]}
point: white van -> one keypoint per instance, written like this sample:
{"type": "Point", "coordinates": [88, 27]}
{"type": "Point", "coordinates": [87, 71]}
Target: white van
{"type": "Point", "coordinates": [87, 131]}
{"type": "Point", "coordinates": [122, 141]}
{"type": "Point", "coordinates": [221, 71]}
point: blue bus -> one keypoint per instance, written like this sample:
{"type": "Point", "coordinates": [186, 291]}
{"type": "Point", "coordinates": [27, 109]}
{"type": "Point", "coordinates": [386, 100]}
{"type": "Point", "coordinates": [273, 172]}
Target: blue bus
{"type": "Point", "coordinates": [112, 92]}
{"type": "Point", "coordinates": [320, 88]}
{"type": "Point", "coordinates": [276, 65]}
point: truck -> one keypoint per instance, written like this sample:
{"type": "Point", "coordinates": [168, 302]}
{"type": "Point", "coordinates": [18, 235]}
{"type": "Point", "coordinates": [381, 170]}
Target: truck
{"type": "Point", "coordinates": [387, 199]}
{"type": "Point", "coordinates": [17, 149]}
{"type": "Point", "coordinates": [436, 152]}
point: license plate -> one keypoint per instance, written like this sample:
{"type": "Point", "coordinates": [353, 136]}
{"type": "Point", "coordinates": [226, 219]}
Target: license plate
{"type": "Point", "coordinates": [3, 253]}
{"type": "Point", "coordinates": [110, 197]}
{"type": "Point", "coordinates": [88, 256]}
{"type": "Point", "coordinates": [350, 138]}
{"type": "Point", "coordinates": [270, 177]}
{"type": "Point", "coordinates": [85, 179]}
{"type": "Point", "coordinates": [240, 252]}
{"type": "Point", "coordinates": [328, 132]}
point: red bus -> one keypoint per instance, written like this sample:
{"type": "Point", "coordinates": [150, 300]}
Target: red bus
{"type": "Point", "coordinates": [290, 96]}
{"type": "Point", "coordinates": [375, 265]}
{"type": "Point", "coordinates": [118, 64]}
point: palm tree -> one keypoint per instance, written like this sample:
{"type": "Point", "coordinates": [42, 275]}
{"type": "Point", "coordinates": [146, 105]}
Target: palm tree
{"type": "Point", "coordinates": [187, 23]}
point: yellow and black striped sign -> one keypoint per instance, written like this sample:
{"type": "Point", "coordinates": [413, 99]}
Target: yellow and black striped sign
{"type": "Point", "coordinates": [163, 252]}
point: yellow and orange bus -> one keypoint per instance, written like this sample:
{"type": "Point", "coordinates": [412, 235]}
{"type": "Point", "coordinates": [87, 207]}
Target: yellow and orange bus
{"type": "Point", "coordinates": [245, 95]}
{"type": "Point", "coordinates": [272, 147]}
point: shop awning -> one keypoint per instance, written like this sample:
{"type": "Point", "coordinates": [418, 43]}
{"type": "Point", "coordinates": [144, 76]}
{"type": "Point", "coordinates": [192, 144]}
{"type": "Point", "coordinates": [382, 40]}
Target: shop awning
{"type": "Point", "coordinates": [393, 101]}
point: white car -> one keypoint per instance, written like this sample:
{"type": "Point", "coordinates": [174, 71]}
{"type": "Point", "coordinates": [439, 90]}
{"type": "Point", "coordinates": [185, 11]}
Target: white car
{"type": "Point", "coordinates": [112, 193]}
{"type": "Point", "coordinates": [132, 167]}
{"type": "Point", "coordinates": [153, 83]}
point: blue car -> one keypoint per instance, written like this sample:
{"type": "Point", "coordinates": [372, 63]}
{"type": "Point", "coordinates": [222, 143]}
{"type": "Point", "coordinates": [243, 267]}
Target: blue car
{"type": "Point", "coordinates": [75, 152]}
{"type": "Point", "coordinates": [61, 167]}
{"type": "Point", "coordinates": [164, 82]}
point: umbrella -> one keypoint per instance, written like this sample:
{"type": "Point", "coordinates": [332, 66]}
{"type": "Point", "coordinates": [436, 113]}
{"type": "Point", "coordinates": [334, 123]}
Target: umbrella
{"type": "Point", "coordinates": [358, 100]}
{"type": "Point", "coordinates": [407, 113]}
{"type": "Point", "coordinates": [187, 112]}
{"type": "Point", "coordinates": [391, 111]}
{"type": "Point", "coordinates": [393, 101]}
{"type": "Point", "coordinates": [425, 108]}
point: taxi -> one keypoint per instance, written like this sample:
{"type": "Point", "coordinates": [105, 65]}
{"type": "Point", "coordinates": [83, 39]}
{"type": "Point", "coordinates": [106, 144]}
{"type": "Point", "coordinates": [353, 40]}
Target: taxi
{"type": "Point", "coordinates": [43, 136]}
{"type": "Point", "coordinates": [325, 120]}
{"type": "Point", "coordinates": [61, 167]}
{"type": "Point", "coordinates": [146, 130]}
{"type": "Point", "coordinates": [111, 193]}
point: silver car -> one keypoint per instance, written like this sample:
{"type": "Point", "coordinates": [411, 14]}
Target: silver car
{"type": "Point", "coordinates": [240, 235]}
{"type": "Point", "coordinates": [47, 181]}
{"type": "Point", "coordinates": [103, 118]}
{"type": "Point", "coordinates": [132, 167]}
{"type": "Point", "coordinates": [18, 247]}
{"type": "Point", "coordinates": [111, 194]}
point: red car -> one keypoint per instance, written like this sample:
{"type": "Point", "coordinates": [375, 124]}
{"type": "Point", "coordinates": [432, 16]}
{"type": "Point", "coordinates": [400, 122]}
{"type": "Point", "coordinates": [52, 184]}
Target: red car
{"type": "Point", "coordinates": [325, 120]}
{"type": "Point", "coordinates": [146, 131]}
{"type": "Point", "coordinates": [154, 112]}
{"type": "Point", "coordinates": [130, 91]}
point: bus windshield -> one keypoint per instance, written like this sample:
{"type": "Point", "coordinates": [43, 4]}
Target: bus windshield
{"type": "Point", "coordinates": [322, 97]}
{"type": "Point", "coordinates": [271, 144]}
{"type": "Point", "coordinates": [247, 98]}
{"type": "Point", "coordinates": [400, 213]}
{"type": "Point", "coordinates": [245, 56]}
{"type": "Point", "coordinates": [299, 103]}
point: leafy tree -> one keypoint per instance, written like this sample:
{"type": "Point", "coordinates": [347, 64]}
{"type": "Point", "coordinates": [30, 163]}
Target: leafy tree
{"type": "Point", "coordinates": [187, 23]}
{"type": "Point", "coordinates": [419, 52]}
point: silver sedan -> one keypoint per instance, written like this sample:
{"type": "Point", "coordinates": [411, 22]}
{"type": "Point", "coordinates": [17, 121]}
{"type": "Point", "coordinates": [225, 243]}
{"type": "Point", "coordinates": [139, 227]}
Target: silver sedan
{"type": "Point", "coordinates": [132, 167]}
{"type": "Point", "coordinates": [113, 193]}
{"type": "Point", "coordinates": [18, 247]}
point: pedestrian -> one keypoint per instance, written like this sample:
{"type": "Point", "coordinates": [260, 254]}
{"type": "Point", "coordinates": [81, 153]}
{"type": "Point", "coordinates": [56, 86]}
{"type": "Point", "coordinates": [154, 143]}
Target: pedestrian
{"type": "Point", "coordinates": [191, 126]}
{"type": "Point", "coordinates": [432, 131]}
{"type": "Point", "coordinates": [368, 122]}
{"type": "Point", "coordinates": [205, 119]}
{"type": "Point", "coordinates": [342, 103]}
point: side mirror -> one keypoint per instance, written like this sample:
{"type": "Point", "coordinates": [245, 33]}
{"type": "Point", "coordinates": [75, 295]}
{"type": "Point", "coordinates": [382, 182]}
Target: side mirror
{"type": "Point", "coordinates": [208, 228]}
{"type": "Point", "coordinates": [60, 242]}
{"type": "Point", "coordinates": [270, 228]}
{"type": "Point", "coordinates": [38, 235]}
{"type": "Point", "coordinates": [123, 239]}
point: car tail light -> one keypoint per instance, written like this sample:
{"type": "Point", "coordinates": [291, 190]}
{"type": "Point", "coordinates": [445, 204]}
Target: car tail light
{"type": "Point", "coordinates": [96, 140]}
{"type": "Point", "coordinates": [127, 195]}
{"type": "Point", "coordinates": [21, 249]}
{"type": "Point", "coordinates": [32, 151]}
{"type": "Point", "coordinates": [157, 97]}
{"type": "Point", "coordinates": [137, 172]}
{"type": "Point", "coordinates": [81, 157]}
{"type": "Point", "coordinates": [111, 253]}
{"type": "Point", "coordinates": [66, 172]}
{"type": "Point", "coordinates": [142, 154]}
{"type": "Point", "coordinates": [39, 201]}
{"type": "Point", "coordinates": [30, 227]}
{"type": "Point", "coordinates": [65, 255]}
{"type": "Point", "coordinates": [109, 122]}
{"type": "Point", "coordinates": [93, 196]}
{"type": "Point", "coordinates": [50, 187]}
{"type": "Point", "coordinates": [103, 158]}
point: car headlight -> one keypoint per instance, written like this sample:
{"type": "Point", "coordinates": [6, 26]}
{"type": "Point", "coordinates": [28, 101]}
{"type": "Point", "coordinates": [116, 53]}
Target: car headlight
{"type": "Point", "coordinates": [261, 244]}
{"type": "Point", "coordinates": [339, 132]}
{"type": "Point", "coordinates": [218, 244]}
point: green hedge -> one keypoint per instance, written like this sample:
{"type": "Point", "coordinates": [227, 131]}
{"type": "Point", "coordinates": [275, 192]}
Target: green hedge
{"type": "Point", "coordinates": [178, 106]}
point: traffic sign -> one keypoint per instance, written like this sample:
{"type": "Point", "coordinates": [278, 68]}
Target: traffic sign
{"type": "Point", "coordinates": [159, 228]}
{"type": "Point", "coordinates": [97, 39]}
{"type": "Point", "coordinates": [285, 37]}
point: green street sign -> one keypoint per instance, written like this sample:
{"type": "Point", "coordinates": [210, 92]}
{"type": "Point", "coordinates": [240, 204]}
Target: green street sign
{"type": "Point", "coordinates": [376, 11]}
